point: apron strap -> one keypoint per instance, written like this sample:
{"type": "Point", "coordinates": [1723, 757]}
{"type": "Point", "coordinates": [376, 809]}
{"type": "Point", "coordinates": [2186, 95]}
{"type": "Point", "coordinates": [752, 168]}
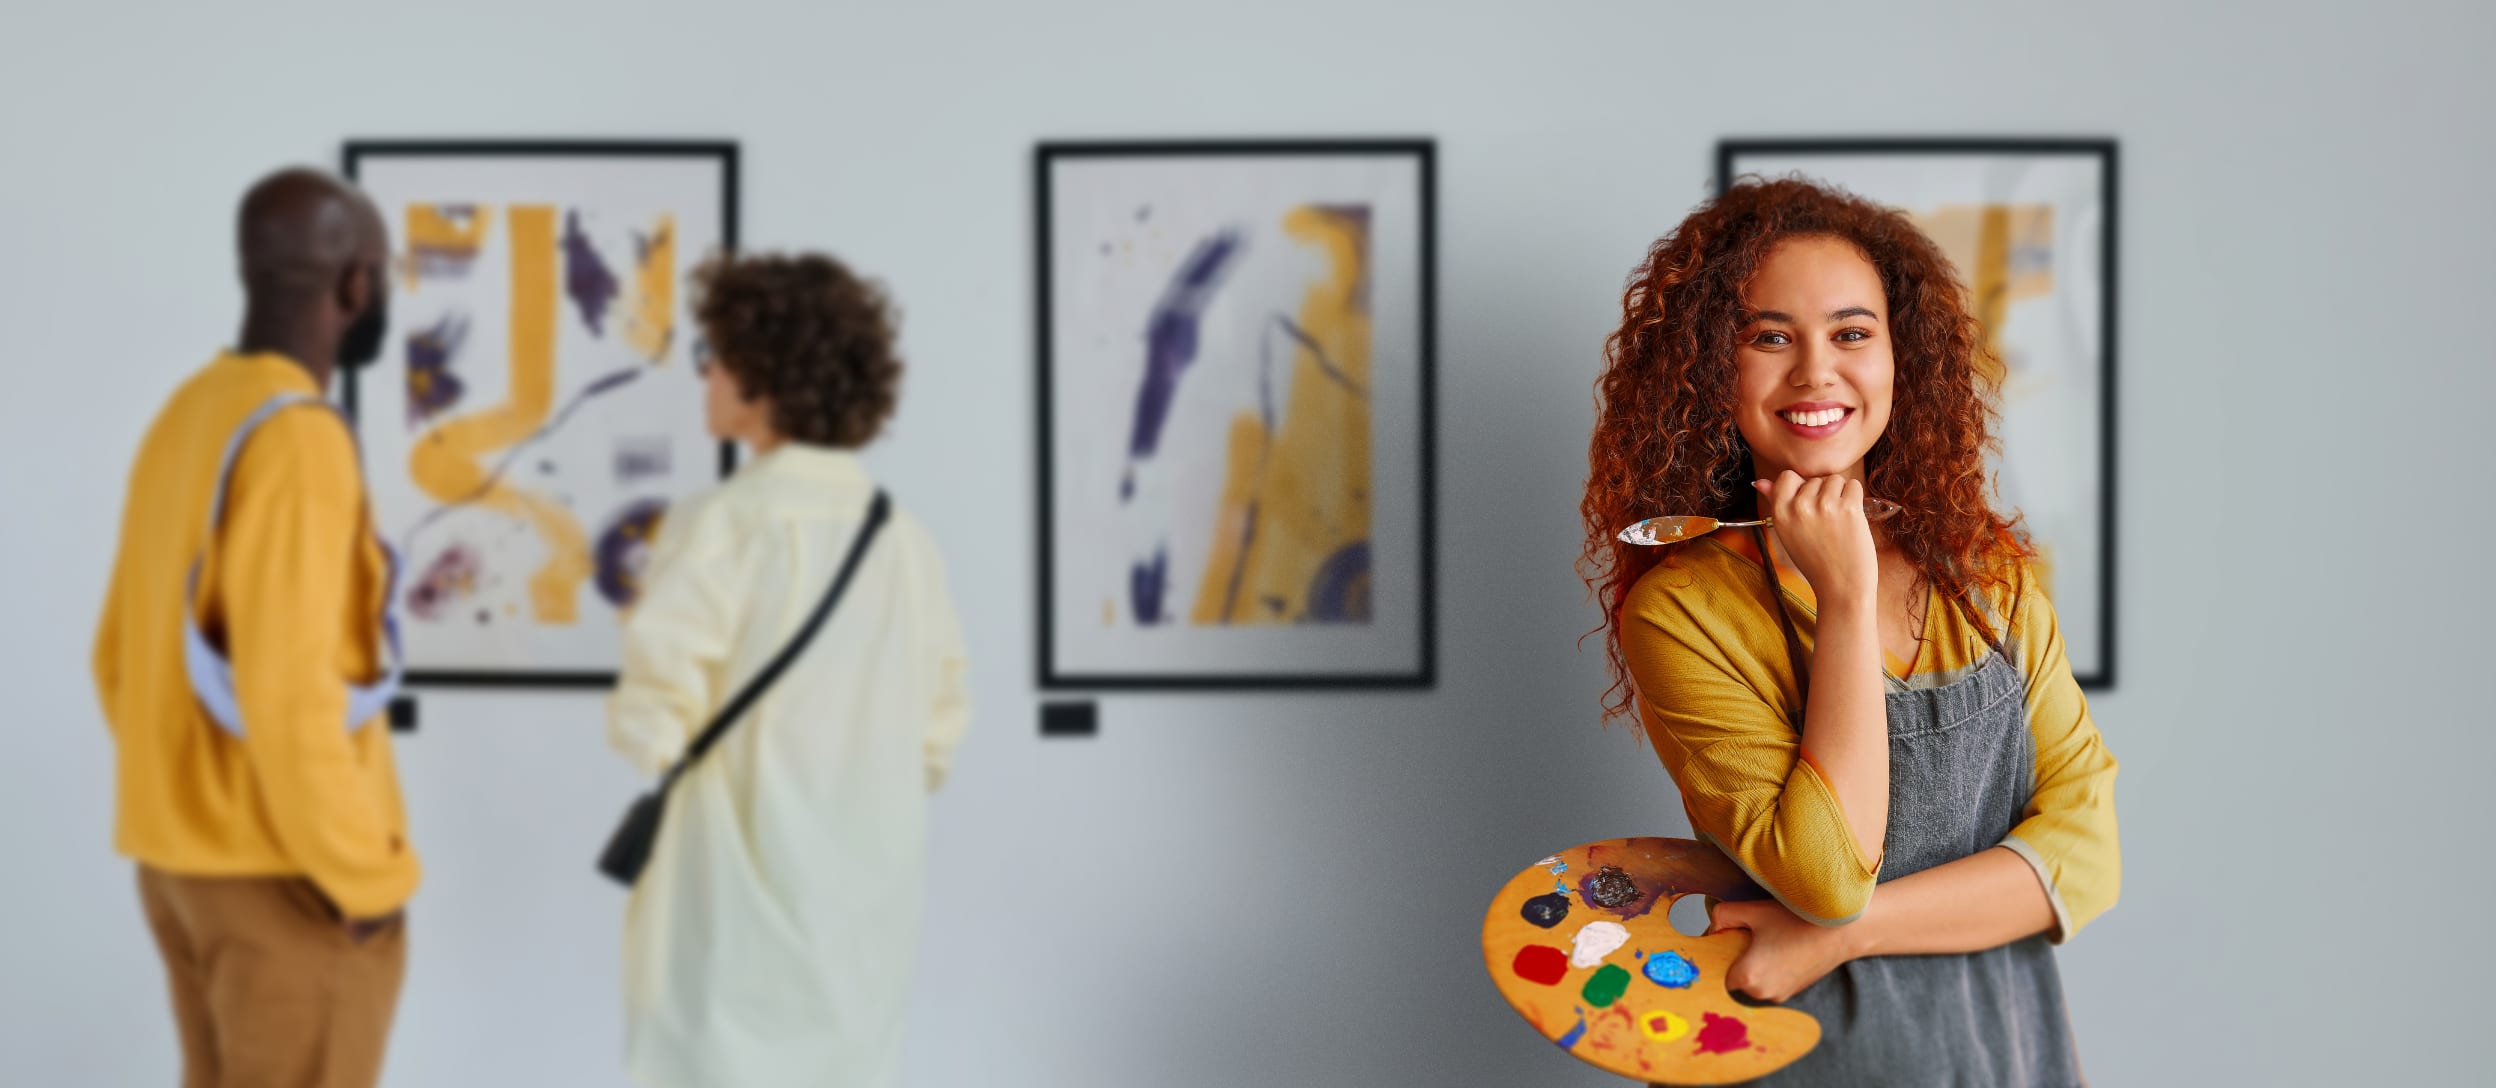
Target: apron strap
{"type": "Point", "coordinates": [1793, 642]}
{"type": "Point", "coordinates": [210, 673]}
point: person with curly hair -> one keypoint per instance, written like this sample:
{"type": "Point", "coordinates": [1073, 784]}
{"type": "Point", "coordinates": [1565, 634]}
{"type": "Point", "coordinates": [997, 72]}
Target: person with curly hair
{"type": "Point", "coordinates": [770, 938]}
{"type": "Point", "coordinates": [1873, 717]}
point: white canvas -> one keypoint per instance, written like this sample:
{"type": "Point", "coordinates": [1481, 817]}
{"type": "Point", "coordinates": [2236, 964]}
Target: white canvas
{"type": "Point", "coordinates": [522, 504]}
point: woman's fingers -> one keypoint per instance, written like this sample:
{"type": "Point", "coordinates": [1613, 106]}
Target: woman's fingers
{"type": "Point", "coordinates": [1728, 916]}
{"type": "Point", "coordinates": [1781, 493]}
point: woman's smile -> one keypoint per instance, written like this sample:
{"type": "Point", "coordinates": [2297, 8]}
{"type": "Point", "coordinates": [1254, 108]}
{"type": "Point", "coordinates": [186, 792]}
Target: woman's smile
{"type": "Point", "coordinates": [1816, 419]}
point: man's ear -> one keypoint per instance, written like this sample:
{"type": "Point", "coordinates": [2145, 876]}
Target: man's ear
{"type": "Point", "coordinates": [355, 287]}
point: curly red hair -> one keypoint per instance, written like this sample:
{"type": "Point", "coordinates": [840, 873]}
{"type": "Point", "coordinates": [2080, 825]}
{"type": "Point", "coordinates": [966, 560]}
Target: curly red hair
{"type": "Point", "coordinates": [1665, 439]}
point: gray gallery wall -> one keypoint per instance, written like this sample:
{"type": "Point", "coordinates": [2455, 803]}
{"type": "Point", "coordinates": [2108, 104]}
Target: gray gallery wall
{"type": "Point", "coordinates": [1285, 889]}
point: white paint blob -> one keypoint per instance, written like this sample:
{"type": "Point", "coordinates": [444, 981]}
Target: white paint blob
{"type": "Point", "coordinates": [1597, 940]}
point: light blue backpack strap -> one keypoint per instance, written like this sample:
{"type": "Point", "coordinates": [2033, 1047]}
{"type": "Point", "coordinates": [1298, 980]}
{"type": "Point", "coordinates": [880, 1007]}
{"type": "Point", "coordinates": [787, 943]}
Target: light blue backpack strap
{"type": "Point", "coordinates": [366, 702]}
{"type": "Point", "coordinates": [211, 674]}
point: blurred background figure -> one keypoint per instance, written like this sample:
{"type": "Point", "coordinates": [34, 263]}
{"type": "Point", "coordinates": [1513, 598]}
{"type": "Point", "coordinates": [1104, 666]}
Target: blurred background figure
{"type": "Point", "coordinates": [240, 663]}
{"type": "Point", "coordinates": [771, 940]}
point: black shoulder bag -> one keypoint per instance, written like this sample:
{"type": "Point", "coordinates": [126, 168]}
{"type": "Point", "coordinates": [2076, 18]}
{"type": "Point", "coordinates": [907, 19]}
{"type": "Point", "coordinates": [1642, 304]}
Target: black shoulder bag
{"type": "Point", "coordinates": [628, 850]}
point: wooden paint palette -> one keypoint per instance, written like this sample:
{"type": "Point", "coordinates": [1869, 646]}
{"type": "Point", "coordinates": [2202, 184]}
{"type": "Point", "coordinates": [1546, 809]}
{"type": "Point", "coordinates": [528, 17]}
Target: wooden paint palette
{"type": "Point", "coordinates": [1582, 944]}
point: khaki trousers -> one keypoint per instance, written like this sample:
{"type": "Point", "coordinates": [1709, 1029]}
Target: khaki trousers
{"type": "Point", "coordinates": [269, 990]}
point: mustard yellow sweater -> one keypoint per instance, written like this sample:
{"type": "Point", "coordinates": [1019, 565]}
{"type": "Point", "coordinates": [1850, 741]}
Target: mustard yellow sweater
{"type": "Point", "coordinates": [292, 589]}
{"type": "Point", "coordinates": [1716, 690]}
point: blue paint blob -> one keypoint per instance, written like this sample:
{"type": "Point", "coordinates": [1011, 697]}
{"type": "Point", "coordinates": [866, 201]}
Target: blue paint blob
{"type": "Point", "coordinates": [1575, 1034]}
{"type": "Point", "coordinates": [1546, 911]}
{"type": "Point", "coordinates": [1561, 888]}
{"type": "Point", "coordinates": [1671, 970]}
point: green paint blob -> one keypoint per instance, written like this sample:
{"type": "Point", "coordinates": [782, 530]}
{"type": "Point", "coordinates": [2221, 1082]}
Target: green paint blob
{"type": "Point", "coordinates": [1609, 983]}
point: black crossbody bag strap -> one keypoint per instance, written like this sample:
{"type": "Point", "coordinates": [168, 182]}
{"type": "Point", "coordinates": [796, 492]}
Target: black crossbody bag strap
{"type": "Point", "coordinates": [628, 850]}
{"type": "Point", "coordinates": [877, 512]}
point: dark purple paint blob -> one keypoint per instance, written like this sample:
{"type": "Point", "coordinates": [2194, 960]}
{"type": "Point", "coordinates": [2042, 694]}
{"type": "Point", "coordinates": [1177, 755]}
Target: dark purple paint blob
{"type": "Point", "coordinates": [1614, 890]}
{"type": "Point", "coordinates": [431, 386]}
{"type": "Point", "coordinates": [585, 275]}
{"type": "Point", "coordinates": [1147, 585]}
{"type": "Point", "coordinates": [451, 577]}
{"type": "Point", "coordinates": [624, 550]}
{"type": "Point", "coordinates": [1611, 887]}
{"type": "Point", "coordinates": [1546, 910]}
{"type": "Point", "coordinates": [1339, 593]}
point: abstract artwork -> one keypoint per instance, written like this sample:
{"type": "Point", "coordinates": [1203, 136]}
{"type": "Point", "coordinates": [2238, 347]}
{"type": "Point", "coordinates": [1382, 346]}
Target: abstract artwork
{"type": "Point", "coordinates": [2031, 226]}
{"type": "Point", "coordinates": [537, 408]}
{"type": "Point", "coordinates": [1235, 414]}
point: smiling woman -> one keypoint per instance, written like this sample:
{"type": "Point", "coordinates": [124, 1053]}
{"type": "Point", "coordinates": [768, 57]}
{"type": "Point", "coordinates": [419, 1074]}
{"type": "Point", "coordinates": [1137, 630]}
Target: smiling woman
{"type": "Point", "coordinates": [1875, 720]}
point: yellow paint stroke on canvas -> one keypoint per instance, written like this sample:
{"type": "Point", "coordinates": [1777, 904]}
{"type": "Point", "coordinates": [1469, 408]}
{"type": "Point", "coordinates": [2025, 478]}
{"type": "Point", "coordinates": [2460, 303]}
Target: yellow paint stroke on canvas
{"type": "Point", "coordinates": [449, 461]}
{"type": "Point", "coordinates": [1985, 241]}
{"type": "Point", "coordinates": [1293, 503]}
{"type": "Point", "coordinates": [441, 231]}
{"type": "Point", "coordinates": [653, 321]}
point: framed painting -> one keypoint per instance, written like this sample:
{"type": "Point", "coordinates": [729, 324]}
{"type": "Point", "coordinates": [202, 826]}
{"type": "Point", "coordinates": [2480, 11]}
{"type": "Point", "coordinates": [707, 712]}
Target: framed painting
{"type": "Point", "coordinates": [1235, 357]}
{"type": "Point", "coordinates": [2031, 226]}
{"type": "Point", "coordinates": [537, 409]}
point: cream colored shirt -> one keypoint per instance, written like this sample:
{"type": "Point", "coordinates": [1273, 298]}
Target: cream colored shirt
{"type": "Point", "coordinates": [771, 940]}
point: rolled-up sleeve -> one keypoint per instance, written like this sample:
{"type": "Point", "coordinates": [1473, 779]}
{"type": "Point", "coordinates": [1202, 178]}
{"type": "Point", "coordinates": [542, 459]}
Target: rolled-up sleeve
{"type": "Point", "coordinates": [2067, 832]}
{"type": "Point", "coordinates": [677, 639]}
{"type": "Point", "coordinates": [1745, 782]}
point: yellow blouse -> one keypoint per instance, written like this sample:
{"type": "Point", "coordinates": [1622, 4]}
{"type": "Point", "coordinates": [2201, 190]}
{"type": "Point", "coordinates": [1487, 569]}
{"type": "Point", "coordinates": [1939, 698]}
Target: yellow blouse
{"type": "Point", "coordinates": [1716, 694]}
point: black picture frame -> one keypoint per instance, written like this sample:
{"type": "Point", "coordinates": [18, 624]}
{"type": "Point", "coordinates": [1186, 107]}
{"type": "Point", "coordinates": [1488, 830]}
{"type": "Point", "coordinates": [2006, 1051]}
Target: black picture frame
{"type": "Point", "coordinates": [1050, 676]}
{"type": "Point", "coordinates": [2107, 154]}
{"type": "Point", "coordinates": [352, 156]}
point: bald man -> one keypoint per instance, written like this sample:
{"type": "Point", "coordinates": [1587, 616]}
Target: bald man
{"type": "Point", "coordinates": [240, 661]}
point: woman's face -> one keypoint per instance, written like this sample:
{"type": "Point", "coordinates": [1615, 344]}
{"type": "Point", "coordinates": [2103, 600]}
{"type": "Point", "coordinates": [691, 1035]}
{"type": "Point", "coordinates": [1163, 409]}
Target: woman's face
{"type": "Point", "coordinates": [731, 417]}
{"type": "Point", "coordinates": [1813, 367]}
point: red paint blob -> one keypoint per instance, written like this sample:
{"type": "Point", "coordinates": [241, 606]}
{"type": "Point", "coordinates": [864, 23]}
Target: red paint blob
{"type": "Point", "coordinates": [1542, 963]}
{"type": "Point", "coordinates": [1724, 1035]}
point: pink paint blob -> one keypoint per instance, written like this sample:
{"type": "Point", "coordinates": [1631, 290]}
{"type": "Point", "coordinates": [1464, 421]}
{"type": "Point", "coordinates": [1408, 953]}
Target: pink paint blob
{"type": "Point", "coordinates": [1724, 1035]}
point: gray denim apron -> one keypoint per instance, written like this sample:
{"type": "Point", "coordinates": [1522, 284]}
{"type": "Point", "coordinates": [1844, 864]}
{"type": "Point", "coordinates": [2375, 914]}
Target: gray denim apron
{"type": "Point", "coordinates": [1961, 768]}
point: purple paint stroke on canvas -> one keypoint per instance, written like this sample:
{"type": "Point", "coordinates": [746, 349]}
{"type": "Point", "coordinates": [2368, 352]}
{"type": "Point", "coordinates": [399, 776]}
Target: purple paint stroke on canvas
{"type": "Point", "coordinates": [431, 386]}
{"type": "Point", "coordinates": [1170, 343]}
{"type": "Point", "coordinates": [624, 550]}
{"type": "Point", "coordinates": [451, 577]}
{"type": "Point", "coordinates": [1339, 591]}
{"type": "Point", "coordinates": [1148, 587]}
{"type": "Point", "coordinates": [585, 275]}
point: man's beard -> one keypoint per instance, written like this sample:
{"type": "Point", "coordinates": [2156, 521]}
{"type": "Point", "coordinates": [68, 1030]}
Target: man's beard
{"type": "Point", "coordinates": [361, 343]}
